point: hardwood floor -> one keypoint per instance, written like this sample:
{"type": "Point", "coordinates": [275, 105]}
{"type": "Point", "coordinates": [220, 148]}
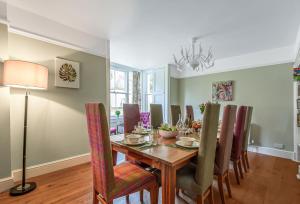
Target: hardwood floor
{"type": "Point", "coordinates": [271, 180]}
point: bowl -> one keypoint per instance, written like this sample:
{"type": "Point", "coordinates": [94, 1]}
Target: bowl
{"type": "Point", "coordinates": [133, 138]}
{"type": "Point", "coordinates": [167, 134]}
{"type": "Point", "coordinates": [187, 141]}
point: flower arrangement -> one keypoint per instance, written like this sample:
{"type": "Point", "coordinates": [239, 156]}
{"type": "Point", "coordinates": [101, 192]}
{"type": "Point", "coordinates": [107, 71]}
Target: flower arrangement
{"type": "Point", "coordinates": [202, 107]}
{"type": "Point", "coordinates": [118, 113]}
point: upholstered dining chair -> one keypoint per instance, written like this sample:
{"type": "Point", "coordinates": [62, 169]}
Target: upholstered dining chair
{"type": "Point", "coordinates": [244, 155]}
{"type": "Point", "coordinates": [156, 115]}
{"type": "Point", "coordinates": [131, 114]}
{"type": "Point", "coordinates": [237, 142]}
{"type": "Point", "coordinates": [223, 150]}
{"type": "Point", "coordinates": [189, 112]}
{"type": "Point", "coordinates": [112, 182]}
{"type": "Point", "coordinates": [198, 179]}
{"type": "Point", "coordinates": [145, 119]}
{"type": "Point", "coordinates": [175, 113]}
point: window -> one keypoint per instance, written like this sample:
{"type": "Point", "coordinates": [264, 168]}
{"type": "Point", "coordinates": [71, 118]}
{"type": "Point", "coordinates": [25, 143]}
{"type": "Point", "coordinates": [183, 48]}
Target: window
{"type": "Point", "coordinates": [120, 89]}
{"type": "Point", "coordinates": [153, 88]}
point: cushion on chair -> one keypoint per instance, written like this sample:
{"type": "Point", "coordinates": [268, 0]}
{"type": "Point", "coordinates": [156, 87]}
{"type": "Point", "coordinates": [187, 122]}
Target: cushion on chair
{"type": "Point", "coordinates": [129, 177]}
{"type": "Point", "coordinates": [186, 181]}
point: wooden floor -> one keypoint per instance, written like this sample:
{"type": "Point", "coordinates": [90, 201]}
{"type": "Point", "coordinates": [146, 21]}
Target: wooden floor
{"type": "Point", "coordinates": [271, 180]}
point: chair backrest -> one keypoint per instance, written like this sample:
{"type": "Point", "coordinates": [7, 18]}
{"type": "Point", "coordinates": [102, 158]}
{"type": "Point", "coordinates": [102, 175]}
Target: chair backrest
{"type": "Point", "coordinates": [145, 119]}
{"type": "Point", "coordinates": [102, 163]}
{"type": "Point", "coordinates": [189, 112]}
{"type": "Point", "coordinates": [225, 141]}
{"type": "Point", "coordinates": [131, 114]}
{"type": "Point", "coordinates": [247, 128]}
{"type": "Point", "coordinates": [175, 112]}
{"type": "Point", "coordinates": [207, 149]}
{"type": "Point", "coordinates": [238, 133]}
{"type": "Point", "coordinates": [156, 115]}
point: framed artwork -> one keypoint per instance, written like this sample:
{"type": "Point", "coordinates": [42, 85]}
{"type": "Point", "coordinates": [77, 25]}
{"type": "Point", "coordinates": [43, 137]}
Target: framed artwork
{"type": "Point", "coordinates": [67, 73]}
{"type": "Point", "coordinates": [296, 74]}
{"type": "Point", "coordinates": [222, 91]}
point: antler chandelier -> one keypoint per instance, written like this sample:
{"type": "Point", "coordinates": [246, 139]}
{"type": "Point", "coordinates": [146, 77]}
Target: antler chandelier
{"type": "Point", "coordinates": [196, 60]}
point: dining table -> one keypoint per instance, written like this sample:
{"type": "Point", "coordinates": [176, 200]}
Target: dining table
{"type": "Point", "coordinates": [163, 154]}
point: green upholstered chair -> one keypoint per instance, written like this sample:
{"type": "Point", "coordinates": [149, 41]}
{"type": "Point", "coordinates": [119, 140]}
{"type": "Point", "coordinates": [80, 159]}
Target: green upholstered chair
{"type": "Point", "coordinates": [175, 114]}
{"type": "Point", "coordinates": [244, 155]}
{"type": "Point", "coordinates": [197, 179]}
{"type": "Point", "coordinates": [156, 115]}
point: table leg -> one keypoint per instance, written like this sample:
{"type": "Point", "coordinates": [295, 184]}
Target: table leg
{"type": "Point", "coordinates": [168, 183]}
{"type": "Point", "coordinates": [115, 157]}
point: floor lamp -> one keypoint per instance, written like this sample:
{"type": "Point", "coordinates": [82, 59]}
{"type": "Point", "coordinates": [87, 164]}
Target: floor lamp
{"type": "Point", "coordinates": [27, 75]}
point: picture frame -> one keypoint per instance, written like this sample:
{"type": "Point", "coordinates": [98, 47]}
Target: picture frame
{"type": "Point", "coordinates": [222, 91]}
{"type": "Point", "coordinates": [67, 73]}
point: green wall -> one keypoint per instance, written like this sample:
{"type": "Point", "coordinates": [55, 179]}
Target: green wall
{"type": "Point", "coordinates": [268, 89]}
{"type": "Point", "coordinates": [5, 160]}
{"type": "Point", "coordinates": [56, 117]}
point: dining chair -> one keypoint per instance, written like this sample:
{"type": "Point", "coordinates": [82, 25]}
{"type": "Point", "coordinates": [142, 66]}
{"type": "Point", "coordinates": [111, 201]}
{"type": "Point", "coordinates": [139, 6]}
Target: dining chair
{"type": "Point", "coordinates": [223, 150]}
{"type": "Point", "coordinates": [244, 155]}
{"type": "Point", "coordinates": [112, 182]}
{"type": "Point", "coordinates": [237, 142]}
{"type": "Point", "coordinates": [156, 115]}
{"type": "Point", "coordinates": [175, 114]}
{"type": "Point", "coordinates": [197, 179]}
{"type": "Point", "coordinates": [131, 114]}
{"type": "Point", "coordinates": [145, 119]}
{"type": "Point", "coordinates": [189, 112]}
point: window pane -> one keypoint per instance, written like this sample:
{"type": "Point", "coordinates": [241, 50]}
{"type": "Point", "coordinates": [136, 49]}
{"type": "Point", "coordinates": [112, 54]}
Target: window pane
{"type": "Point", "coordinates": [159, 81]}
{"type": "Point", "coordinates": [149, 83]}
{"type": "Point", "coordinates": [130, 82]}
{"type": "Point", "coordinates": [120, 81]}
{"type": "Point", "coordinates": [112, 100]}
{"type": "Point", "coordinates": [112, 79]}
{"type": "Point", "coordinates": [120, 100]}
{"type": "Point", "coordinates": [149, 100]}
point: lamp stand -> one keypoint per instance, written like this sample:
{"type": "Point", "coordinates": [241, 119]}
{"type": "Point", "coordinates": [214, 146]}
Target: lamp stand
{"type": "Point", "coordinates": [24, 187]}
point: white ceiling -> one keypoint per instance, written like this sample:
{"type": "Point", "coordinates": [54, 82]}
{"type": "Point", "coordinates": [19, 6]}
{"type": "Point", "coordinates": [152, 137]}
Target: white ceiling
{"type": "Point", "coordinates": [145, 34]}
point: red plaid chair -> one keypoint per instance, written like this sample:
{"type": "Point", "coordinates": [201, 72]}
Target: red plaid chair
{"type": "Point", "coordinates": [131, 114]}
{"type": "Point", "coordinates": [112, 182]}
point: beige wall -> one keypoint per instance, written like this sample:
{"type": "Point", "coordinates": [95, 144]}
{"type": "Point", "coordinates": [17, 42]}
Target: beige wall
{"type": "Point", "coordinates": [268, 89]}
{"type": "Point", "coordinates": [57, 123]}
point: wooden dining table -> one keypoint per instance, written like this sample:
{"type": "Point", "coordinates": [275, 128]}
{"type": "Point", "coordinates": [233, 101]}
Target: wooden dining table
{"type": "Point", "coordinates": [164, 156]}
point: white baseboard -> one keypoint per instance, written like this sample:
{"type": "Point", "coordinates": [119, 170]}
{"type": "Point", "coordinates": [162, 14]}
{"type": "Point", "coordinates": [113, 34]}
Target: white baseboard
{"type": "Point", "coordinates": [6, 183]}
{"type": "Point", "coordinates": [272, 151]}
{"type": "Point", "coordinates": [49, 167]}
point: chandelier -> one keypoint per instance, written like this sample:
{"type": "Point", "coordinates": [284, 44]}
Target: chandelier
{"type": "Point", "coordinates": [196, 60]}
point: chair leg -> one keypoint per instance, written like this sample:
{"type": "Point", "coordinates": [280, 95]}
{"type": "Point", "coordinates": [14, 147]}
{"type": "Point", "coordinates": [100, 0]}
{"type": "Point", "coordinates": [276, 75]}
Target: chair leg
{"type": "Point", "coordinates": [240, 168]}
{"type": "Point", "coordinates": [244, 162]}
{"type": "Point", "coordinates": [211, 195]}
{"type": "Point", "coordinates": [200, 199]}
{"type": "Point", "coordinates": [247, 160]}
{"type": "Point", "coordinates": [237, 177]}
{"type": "Point", "coordinates": [228, 184]}
{"type": "Point", "coordinates": [177, 191]}
{"type": "Point", "coordinates": [142, 196]}
{"type": "Point", "coordinates": [95, 197]}
{"type": "Point", "coordinates": [221, 191]}
{"type": "Point", "coordinates": [127, 199]}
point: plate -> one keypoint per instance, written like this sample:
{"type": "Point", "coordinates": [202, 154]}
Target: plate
{"type": "Point", "coordinates": [134, 144]}
{"type": "Point", "coordinates": [194, 146]}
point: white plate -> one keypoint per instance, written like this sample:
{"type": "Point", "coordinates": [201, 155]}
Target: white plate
{"type": "Point", "coordinates": [181, 144]}
{"type": "Point", "coordinates": [140, 142]}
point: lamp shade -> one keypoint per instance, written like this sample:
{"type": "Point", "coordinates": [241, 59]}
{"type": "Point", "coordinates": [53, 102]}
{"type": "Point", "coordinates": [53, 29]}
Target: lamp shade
{"type": "Point", "coordinates": [23, 74]}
